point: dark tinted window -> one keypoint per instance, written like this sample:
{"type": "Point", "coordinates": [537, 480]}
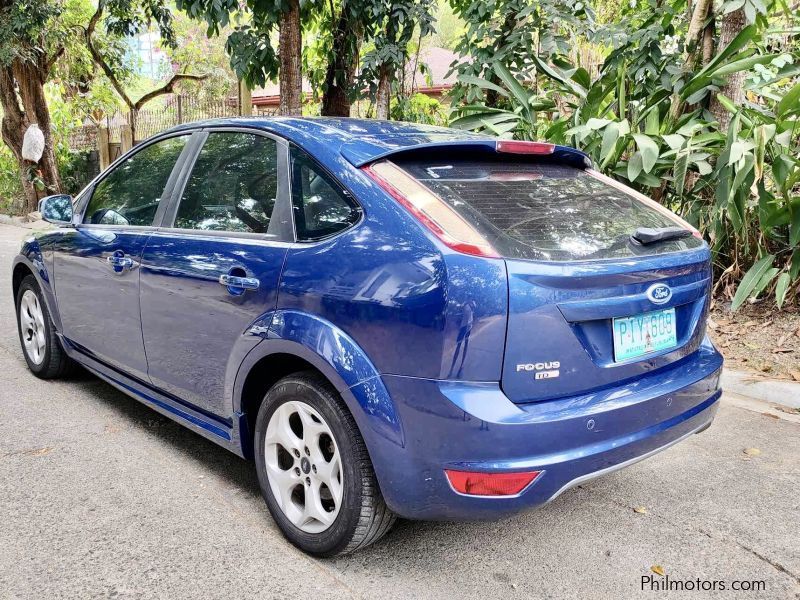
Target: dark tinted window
{"type": "Point", "coordinates": [233, 185]}
{"type": "Point", "coordinates": [321, 207]}
{"type": "Point", "coordinates": [544, 211]}
{"type": "Point", "coordinates": [130, 194]}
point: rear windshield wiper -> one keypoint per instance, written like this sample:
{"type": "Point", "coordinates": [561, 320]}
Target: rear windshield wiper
{"type": "Point", "coordinates": [651, 235]}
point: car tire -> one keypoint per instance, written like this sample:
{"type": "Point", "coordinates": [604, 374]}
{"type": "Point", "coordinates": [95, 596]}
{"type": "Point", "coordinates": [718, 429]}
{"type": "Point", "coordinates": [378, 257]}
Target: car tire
{"type": "Point", "coordinates": [302, 427]}
{"type": "Point", "coordinates": [37, 335]}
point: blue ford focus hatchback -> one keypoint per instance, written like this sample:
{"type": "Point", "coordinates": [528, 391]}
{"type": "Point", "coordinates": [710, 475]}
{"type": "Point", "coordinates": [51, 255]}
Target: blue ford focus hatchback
{"type": "Point", "coordinates": [390, 319]}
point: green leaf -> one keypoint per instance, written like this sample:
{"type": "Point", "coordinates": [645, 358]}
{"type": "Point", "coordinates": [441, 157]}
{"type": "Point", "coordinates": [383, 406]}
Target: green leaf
{"type": "Point", "coordinates": [703, 167]}
{"type": "Point", "coordinates": [482, 83]}
{"type": "Point", "coordinates": [573, 87]}
{"type": "Point", "coordinates": [794, 229]}
{"type": "Point", "coordinates": [790, 102]}
{"type": "Point", "coordinates": [727, 103]}
{"type": "Point", "coordinates": [681, 164]}
{"type": "Point", "coordinates": [610, 137]}
{"type": "Point", "coordinates": [704, 77]}
{"type": "Point", "coordinates": [521, 95]}
{"type": "Point", "coordinates": [634, 166]}
{"type": "Point", "coordinates": [781, 288]}
{"type": "Point", "coordinates": [477, 120]}
{"type": "Point", "coordinates": [751, 279]}
{"type": "Point", "coordinates": [651, 123]}
{"type": "Point", "coordinates": [674, 141]}
{"type": "Point", "coordinates": [595, 124]}
{"type": "Point", "coordinates": [649, 150]}
{"type": "Point", "coordinates": [731, 6]}
{"type": "Point", "coordinates": [765, 280]}
{"type": "Point", "coordinates": [742, 65]}
{"type": "Point", "coordinates": [794, 269]}
{"type": "Point", "coordinates": [737, 151]}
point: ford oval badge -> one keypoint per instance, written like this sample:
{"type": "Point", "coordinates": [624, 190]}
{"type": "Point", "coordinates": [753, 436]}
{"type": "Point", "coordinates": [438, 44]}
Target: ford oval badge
{"type": "Point", "coordinates": [659, 293]}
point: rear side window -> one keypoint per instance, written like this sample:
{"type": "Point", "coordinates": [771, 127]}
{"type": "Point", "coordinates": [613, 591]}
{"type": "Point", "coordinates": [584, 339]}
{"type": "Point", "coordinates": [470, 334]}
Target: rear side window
{"type": "Point", "coordinates": [543, 211]}
{"type": "Point", "coordinates": [321, 207]}
{"type": "Point", "coordinates": [233, 185]}
{"type": "Point", "coordinates": [130, 194]}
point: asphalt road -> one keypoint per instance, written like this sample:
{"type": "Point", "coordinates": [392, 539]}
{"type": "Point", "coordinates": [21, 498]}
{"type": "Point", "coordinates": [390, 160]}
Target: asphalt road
{"type": "Point", "coordinates": [101, 497]}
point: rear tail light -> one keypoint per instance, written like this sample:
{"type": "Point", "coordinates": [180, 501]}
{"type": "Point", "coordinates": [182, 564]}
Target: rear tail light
{"type": "Point", "coordinates": [522, 147]}
{"type": "Point", "coordinates": [430, 210]}
{"type": "Point", "coordinates": [648, 201]}
{"type": "Point", "coordinates": [490, 484]}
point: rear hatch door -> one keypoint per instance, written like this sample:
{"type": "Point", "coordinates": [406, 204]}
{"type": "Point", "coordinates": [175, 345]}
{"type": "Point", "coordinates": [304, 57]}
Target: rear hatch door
{"type": "Point", "coordinates": [590, 305]}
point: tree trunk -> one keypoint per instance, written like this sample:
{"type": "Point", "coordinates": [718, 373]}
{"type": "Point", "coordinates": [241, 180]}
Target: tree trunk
{"type": "Point", "coordinates": [694, 36]}
{"type": "Point", "coordinates": [732, 25]}
{"type": "Point", "coordinates": [24, 81]}
{"type": "Point", "coordinates": [384, 94]}
{"type": "Point", "coordinates": [341, 69]}
{"type": "Point", "coordinates": [290, 50]}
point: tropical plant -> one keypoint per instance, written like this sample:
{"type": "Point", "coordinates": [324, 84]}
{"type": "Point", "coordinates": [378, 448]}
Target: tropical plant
{"type": "Point", "coordinates": [651, 118]}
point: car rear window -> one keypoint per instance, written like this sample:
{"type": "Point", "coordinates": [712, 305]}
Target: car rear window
{"type": "Point", "coordinates": [543, 211]}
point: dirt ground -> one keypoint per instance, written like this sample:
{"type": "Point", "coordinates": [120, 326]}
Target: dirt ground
{"type": "Point", "coordinates": [758, 338]}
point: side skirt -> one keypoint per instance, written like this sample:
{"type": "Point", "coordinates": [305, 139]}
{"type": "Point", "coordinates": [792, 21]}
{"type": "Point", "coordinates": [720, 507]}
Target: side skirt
{"type": "Point", "coordinates": [226, 434]}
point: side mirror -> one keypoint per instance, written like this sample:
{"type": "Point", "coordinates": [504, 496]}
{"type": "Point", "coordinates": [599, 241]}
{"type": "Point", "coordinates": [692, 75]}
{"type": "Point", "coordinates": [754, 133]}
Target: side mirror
{"type": "Point", "coordinates": [56, 209]}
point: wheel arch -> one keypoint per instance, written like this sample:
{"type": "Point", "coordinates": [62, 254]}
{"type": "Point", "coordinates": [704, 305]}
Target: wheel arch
{"type": "Point", "coordinates": [297, 341]}
{"type": "Point", "coordinates": [32, 263]}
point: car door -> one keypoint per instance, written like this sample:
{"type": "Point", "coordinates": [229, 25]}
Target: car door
{"type": "Point", "coordinates": [96, 263]}
{"type": "Point", "coordinates": [213, 269]}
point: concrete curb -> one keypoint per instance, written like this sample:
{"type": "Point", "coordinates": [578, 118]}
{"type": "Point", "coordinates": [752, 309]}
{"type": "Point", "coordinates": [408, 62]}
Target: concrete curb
{"type": "Point", "coordinates": [743, 383]}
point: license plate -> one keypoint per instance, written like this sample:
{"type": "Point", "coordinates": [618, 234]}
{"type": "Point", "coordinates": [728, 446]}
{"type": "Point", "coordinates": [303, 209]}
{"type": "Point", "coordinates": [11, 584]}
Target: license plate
{"type": "Point", "coordinates": [642, 334]}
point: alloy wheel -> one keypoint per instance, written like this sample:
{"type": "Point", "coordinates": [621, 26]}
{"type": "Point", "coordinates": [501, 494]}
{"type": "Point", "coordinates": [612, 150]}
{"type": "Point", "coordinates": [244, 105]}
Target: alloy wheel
{"type": "Point", "coordinates": [303, 466]}
{"type": "Point", "coordinates": [31, 320]}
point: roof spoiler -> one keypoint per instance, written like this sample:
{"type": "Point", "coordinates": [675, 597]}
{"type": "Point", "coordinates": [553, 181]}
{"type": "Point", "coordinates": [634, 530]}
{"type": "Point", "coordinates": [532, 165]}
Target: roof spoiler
{"type": "Point", "coordinates": [360, 153]}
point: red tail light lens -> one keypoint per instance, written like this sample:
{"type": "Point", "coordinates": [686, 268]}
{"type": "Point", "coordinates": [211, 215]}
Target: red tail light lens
{"type": "Point", "coordinates": [521, 147]}
{"type": "Point", "coordinates": [430, 210]}
{"type": "Point", "coordinates": [490, 484]}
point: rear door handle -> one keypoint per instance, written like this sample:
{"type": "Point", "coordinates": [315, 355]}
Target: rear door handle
{"type": "Point", "coordinates": [239, 283]}
{"type": "Point", "coordinates": [120, 261]}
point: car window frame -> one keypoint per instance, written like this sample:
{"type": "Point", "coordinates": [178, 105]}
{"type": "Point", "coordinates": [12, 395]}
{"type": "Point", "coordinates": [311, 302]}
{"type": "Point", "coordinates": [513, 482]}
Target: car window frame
{"type": "Point", "coordinates": [85, 197]}
{"type": "Point", "coordinates": [281, 210]}
{"type": "Point", "coordinates": [342, 190]}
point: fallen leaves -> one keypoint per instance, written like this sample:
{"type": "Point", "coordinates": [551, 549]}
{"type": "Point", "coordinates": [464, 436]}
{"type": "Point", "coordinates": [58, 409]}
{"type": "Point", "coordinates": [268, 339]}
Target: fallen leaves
{"type": "Point", "coordinates": [658, 570]}
{"type": "Point", "coordinates": [640, 509]}
{"type": "Point", "coordinates": [752, 451]}
{"type": "Point", "coordinates": [758, 340]}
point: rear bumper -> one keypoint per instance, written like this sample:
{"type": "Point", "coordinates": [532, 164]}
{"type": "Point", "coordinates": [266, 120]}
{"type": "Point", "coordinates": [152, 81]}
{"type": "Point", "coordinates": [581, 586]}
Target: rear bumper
{"type": "Point", "coordinates": [475, 427]}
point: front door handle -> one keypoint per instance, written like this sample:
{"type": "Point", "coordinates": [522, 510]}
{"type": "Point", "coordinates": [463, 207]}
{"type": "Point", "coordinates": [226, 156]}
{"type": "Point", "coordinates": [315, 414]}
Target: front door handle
{"type": "Point", "coordinates": [237, 284]}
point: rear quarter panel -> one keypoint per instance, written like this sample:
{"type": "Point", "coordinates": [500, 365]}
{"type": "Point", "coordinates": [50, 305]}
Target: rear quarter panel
{"type": "Point", "coordinates": [413, 307]}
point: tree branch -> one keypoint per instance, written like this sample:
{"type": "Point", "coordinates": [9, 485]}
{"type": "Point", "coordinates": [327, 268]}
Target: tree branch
{"type": "Point", "coordinates": [98, 58]}
{"type": "Point", "coordinates": [167, 88]}
{"type": "Point", "coordinates": [50, 62]}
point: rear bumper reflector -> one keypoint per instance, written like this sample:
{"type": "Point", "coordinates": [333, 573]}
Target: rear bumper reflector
{"type": "Point", "coordinates": [490, 484]}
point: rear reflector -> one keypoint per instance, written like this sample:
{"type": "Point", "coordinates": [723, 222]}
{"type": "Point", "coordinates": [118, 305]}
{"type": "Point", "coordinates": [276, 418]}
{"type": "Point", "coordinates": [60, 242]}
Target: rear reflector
{"type": "Point", "coordinates": [430, 210]}
{"type": "Point", "coordinates": [521, 147]}
{"type": "Point", "coordinates": [490, 484]}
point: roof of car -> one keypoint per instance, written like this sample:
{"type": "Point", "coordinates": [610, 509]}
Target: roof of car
{"type": "Point", "coordinates": [362, 141]}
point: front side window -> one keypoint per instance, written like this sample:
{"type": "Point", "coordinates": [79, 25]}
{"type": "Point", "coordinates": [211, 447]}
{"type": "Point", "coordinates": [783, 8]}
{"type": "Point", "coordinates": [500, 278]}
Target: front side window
{"type": "Point", "coordinates": [321, 207]}
{"type": "Point", "coordinates": [130, 194]}
{"type": "Point", "coordinates": [233, 185]}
